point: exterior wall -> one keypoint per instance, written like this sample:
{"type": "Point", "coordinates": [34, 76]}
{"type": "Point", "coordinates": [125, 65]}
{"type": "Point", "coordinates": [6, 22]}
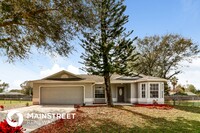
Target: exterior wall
{"type": "Point", "coordinates": [128, 94]}
{"type": "Point", "coordinates": [147, 99]}
{"type": "Point", "coordinates": [88, 91]}
{"type": "Point", "coordinates": [114, 92]}
{"type": "Point", "coordinates": [36, 94]}
{"type": "Point", "coordinates": [134, 93]}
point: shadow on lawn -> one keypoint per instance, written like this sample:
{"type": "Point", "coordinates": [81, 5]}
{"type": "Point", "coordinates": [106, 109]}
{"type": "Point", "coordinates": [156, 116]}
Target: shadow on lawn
{"type": "Point", "coordinates": [191, 109]}
{"type": "Point", "coordinates": [104, 126]}
{"type": "Point", "coordinates": [158, 125]}
{"type": "Point", "coordinates": [155, 125]}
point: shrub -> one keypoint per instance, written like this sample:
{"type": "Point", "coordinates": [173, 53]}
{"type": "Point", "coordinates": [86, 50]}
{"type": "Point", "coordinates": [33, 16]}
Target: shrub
{"type": "Point", "coordinates": [77, 106]}
{"type": "Point", "coordinates": [2, 107]}
{"type": "Point", "coordinates": [6, 128]}
{"type": "Point", "coordinates": [27, 104]}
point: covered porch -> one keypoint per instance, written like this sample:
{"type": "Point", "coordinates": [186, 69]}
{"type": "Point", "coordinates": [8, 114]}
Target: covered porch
{"type": "Point", "coordinates": [131, 93]}
{"type": "Point", "coordinates": [121, 93]}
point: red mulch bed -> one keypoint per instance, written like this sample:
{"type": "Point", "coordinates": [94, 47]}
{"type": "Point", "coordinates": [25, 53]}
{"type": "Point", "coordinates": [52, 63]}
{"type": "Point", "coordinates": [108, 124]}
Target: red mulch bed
{"type": "Point", "coordinates": [89, 106]}
{"type": "Point", "coordinates": [57, 126]}
{"type": "Point", "coordinates": [155, 106]}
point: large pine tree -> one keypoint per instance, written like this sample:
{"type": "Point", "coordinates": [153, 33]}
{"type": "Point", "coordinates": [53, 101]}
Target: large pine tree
{"type": "Point", "coordinates": [108, 48]}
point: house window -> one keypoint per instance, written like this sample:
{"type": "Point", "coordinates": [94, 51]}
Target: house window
{"type": "Point", "coordinates": [99, 92]}
{"type": "Point", "coordinates": [143, 90]}
{"type": "Point", "coordinates": [154, 90]}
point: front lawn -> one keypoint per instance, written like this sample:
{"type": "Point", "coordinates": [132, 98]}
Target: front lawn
{"type": "Point", "coordinates": [129, 119]}
{"type": "Point", "coordinates": [185, 103]}
{"type": "Point", "coordinates": [10, 104]}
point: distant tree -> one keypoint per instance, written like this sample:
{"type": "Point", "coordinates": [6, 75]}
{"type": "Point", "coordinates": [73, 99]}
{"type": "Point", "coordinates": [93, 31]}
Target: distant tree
{"type": "Point", "coordinates": [3, 86]}
{"type": "Point", "coordinates": [44, 24]}
{"type": "Point", "coordinates": [162, 55]}
{"type": "Point", "coordinates": [108, 49]}
{"type": "Point", "coordinates": [180, 88]}
{"type": "Point", "coordinates": [191, 88]}
{"type": "Point", "coordinates": [198, 92]}
{"type": "Point", "coordinates": [26, 88]}
{"type": "Point", "coordinates": [166, 89]}
{"type": "Point", "coordinates": [174, 82]}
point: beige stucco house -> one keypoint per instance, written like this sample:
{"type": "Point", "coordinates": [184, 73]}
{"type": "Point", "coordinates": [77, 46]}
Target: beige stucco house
{"type": "Point", "coordinates": [67, 88]}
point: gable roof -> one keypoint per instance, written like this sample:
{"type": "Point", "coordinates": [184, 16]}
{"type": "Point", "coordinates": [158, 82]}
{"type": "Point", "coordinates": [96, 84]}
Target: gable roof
{"type": "Point", "coordinates": [115, 78]}
{"type": "Point", "coordinates": [190, 93]}
{"type": "Point", "coordinates": [86, 78]}
{"type": "Point", "coordinates": [63, 72]}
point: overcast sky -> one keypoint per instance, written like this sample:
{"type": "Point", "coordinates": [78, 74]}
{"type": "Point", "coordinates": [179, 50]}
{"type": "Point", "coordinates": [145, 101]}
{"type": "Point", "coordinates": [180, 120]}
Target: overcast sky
{"type": "Point", "coordinates": [146, 18]}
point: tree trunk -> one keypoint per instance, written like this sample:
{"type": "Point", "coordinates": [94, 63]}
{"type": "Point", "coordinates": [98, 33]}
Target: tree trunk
{"type": "Point", "coordinates": [108, 90]}
{"type": "Point", "coordinates": [174, 88]}
{"type": "Point", "coordinates": [106, 66]}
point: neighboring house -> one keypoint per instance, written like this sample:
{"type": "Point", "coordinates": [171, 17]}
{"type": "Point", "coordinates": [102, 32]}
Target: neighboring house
{"type": "Point", "coordinates": [67, 88]}
{"type": "Point", "coordinates": [11, 95]}
{"type": "Point", "coordinates": [190, 93]}
{"type": "Point", "coordinates": [172, 93]}
{"type": "Point", "coordinates": [186, 93]}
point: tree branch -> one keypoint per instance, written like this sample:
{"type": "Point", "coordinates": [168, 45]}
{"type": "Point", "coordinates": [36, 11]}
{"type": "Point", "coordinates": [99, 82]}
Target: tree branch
{"type": "Point", "coordinates": [25, 14]}
{"type": "Point", "coordinates": [41, 11]}
{"type": "Point", "coordinates": [5, 39]}
{"type": "Point", "coordinates": [174, 74]}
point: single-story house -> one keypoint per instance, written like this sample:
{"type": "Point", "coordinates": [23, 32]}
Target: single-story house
{"type": "Point", "coordinates": [187, 93]}
{"type": "Point", "coordinates": [190, 93]}
{"type": "Point", "coordinates": [14, 96]}
{"type": "Point", "coordinates": [68, 88]}
{"type": "Point", "coordinates": [10, 94]}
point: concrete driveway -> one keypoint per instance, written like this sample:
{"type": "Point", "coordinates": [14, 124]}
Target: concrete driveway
{"type": "Point", "coordinates": [37, 116]}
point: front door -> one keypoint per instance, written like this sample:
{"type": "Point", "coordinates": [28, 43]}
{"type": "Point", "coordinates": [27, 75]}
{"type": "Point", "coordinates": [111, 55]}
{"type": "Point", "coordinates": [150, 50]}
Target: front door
{"type": "Point", "coordinates": [120, 93]}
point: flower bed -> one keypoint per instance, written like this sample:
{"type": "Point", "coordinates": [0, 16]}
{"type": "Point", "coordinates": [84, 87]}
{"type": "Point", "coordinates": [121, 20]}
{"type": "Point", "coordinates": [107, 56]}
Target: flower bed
{"type": "Point", "coordinates": [63, 125]}
{"type": "Point", "coordinates": [155, 106]}
{"type": "Point", "coordinates": [6, 128]}
{"type": "Point", "coordinates": [91, 106]}
{"type": "Point", "coordinates": [1, 107]}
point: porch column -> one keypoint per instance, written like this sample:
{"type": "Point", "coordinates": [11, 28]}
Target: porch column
{"type": "Point", "coordinates": [133, 96]}
{"type": "Point", "coordinates": [139, 95]}
{"type": "Point", "coordinates": [148, 90]}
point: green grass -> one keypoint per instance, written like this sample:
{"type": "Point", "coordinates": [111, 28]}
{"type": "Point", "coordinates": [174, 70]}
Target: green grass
{"type": "Point", "coordinates": [185, 103]}
{"type": "Point", "coordinates": [10, 104]}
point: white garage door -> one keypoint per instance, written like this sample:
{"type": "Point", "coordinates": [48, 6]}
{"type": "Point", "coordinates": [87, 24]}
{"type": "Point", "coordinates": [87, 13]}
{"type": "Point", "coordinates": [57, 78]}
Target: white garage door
{"type": "Point", "coordinates": [61, 95]}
